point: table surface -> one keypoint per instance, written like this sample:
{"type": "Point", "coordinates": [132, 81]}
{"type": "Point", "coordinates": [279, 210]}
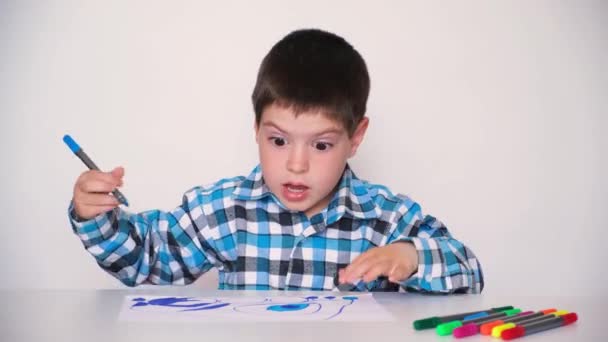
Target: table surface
{"type": "Point", "coordinates": [92, 315]}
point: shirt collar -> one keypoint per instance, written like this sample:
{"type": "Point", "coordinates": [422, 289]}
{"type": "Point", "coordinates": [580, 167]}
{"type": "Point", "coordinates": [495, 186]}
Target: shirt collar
{"type": "Point", "coordinates": [352, 196]}
{"type": "Point", "coordinates": [253, 187]}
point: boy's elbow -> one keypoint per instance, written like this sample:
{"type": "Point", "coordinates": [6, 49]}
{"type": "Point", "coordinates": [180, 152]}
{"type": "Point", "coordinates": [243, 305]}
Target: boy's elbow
{"type": "Point", "coordinates": [138, 280]}
{"type": "Point", "coordinates": [129, 282]}
{"type": "Point", "coordinates": [470, 276]}
{"type": "Point", "coordinates": [479, 281]}
{"type": "Point", "coordinates": [128, 276]}
{"type": "Point", "coordinates": [471, 279]}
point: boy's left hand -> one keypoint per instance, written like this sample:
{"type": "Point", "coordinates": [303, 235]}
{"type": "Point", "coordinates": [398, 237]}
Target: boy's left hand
{"type": "Point", "coordinates": [397, 261]}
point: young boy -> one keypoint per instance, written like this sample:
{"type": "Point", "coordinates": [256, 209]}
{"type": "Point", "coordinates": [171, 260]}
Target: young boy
{"type": "Point", "coordinates": [301, 219]}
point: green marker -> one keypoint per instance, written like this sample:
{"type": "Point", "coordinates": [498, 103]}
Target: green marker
{"type": "Point", "coordinates": [432, 322]}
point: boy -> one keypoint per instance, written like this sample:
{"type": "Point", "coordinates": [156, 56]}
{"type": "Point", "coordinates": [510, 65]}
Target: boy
{"type": "Point", "coordinates": [301, 219]}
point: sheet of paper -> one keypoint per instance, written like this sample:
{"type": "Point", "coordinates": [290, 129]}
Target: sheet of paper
{"type": "Point", "coordinates": [249, 308]}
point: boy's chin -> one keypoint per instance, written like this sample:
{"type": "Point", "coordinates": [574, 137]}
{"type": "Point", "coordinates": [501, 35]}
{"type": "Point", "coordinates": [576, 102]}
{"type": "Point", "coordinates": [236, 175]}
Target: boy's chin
{"type": "Point", "coordinates": [308, 209]}
{"type": "Point", "coordinates": [296, 206]}
{"type": "Point", "coordinates": [303, 206]}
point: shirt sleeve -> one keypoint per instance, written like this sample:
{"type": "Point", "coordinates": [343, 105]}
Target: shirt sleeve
{"type": "Point", "coordinates": [150, 247]}
{"type": "Point", "coordinates": [445, 265]}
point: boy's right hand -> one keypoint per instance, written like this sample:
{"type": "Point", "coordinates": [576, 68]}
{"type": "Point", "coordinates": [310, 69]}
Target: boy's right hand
{"type": "Point", "coordinates": [92, 192]}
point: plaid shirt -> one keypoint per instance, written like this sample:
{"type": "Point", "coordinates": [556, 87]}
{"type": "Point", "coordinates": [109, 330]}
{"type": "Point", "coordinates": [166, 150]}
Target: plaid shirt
{"type": "Point", "coordinates": [240, 227]}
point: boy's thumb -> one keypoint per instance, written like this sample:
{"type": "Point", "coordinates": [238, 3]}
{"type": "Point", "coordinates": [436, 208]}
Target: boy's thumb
{"type": "Point", "coordinates": [118, 172]}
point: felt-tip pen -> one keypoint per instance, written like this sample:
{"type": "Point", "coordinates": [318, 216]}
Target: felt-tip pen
{"type": "Point", "coordinates": [472, 328]}
{"type": "Point", "coordinates": [448, 327]}
{"type": "Point", "coordinates": [533, 328]}
{"type": "Point", "coordinates": [432, 322]}
{"type": "Point", "coordinates": [498, 330]}
{"type": "Point", "coordinates": [90, 164]}
{"type": "Point", "coordinates": [486, 328]}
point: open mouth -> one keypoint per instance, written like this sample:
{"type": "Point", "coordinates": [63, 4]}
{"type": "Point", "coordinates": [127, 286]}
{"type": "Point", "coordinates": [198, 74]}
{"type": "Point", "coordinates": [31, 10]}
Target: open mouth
{"type": "Point", "coordinates": [296, 188]}
{"type": "Point", "coordinates": [295, 192]}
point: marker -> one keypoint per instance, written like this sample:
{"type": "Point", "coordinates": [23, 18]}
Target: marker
{"type": "Point", "coordinates": [432, 322]}
{"type": "Point", "coordinates": [89, 163]}
{"type": "Point", "coordinates": [497, 330]}
{"type": "Point", "coordinates": [346, 286]}
{"type": "Point", "coordinates": [486, 328]}
{"type": "Point", "coordinates": [473, 328]}
{"type": "Point", "coordinates": [343, 287]}
{"type": "Point", "coordinates": [533, 328]}
{"type": "Point", "coordinates": [447, 328]}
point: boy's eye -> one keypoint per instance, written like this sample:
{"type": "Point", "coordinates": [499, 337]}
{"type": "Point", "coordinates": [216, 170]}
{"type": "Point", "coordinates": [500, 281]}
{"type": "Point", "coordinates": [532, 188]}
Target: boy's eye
{"type": "Point", "coordinates": [322, 146]}
{"type": "Point", "coordinates": [278, 141]}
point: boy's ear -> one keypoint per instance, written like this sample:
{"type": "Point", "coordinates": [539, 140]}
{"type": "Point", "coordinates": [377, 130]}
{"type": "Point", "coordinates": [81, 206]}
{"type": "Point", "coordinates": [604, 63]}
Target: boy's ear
{"type": "Point", "coordinates": [358, 135]}
{"type": "Point", "coordinates": [255, 132]}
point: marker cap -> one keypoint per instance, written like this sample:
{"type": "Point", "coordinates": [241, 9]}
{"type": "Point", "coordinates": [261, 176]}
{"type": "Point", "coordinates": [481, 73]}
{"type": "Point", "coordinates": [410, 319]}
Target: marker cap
{"type": "Point", "coordinates": [426, 323]}
{"type": "Point", "coordinates": [67, 139]}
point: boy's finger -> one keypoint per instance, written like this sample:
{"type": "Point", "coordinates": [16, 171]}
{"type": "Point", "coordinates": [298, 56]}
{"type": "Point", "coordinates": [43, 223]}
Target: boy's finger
{"type": "Point", "coordinates": [98, 175]}
{"type": "Point", "coordinates": [373, 273]}
{"type": "Point", "coordinates": [398, 275]}
{"type": "Point", "coordinates": [97, 186]}
{"type": "Point", "coordinates": [371, 253]}
{"type": "Point", "coordinates": [356, 271]}
{"type": "Point", "coordinates": [359, 260]}
{"type": "Point", "coordinates": [90, 212]}
{"type": "Point", "coordinates": [93, 199]}
{"type": "Point", "coordinates": [118, 172]}
{"type": "Point", "coordinates": [362, 259]}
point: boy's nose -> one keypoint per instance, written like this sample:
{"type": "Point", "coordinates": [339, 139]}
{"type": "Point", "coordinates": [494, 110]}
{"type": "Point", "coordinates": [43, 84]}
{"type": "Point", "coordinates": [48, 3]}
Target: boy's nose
{"type": "Point", "coordinates": [298, 161]}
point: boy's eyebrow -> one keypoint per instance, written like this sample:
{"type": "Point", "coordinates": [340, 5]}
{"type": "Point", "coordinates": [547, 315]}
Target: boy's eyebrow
{"type": "Point", "coordinates": [332, 130]}
{"type": "Point", "coordinates": [273, 125]}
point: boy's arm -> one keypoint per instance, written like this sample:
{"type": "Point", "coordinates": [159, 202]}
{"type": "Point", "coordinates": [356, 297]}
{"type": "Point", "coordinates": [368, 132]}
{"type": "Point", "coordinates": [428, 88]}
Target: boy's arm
{"type": "Point", "coordinates": [150, 247]}
{"type": "Point", "coordinates": [445, 265]}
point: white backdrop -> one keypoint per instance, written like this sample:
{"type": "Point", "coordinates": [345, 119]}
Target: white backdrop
{"type": "Point", "coordinates": [492, 115]}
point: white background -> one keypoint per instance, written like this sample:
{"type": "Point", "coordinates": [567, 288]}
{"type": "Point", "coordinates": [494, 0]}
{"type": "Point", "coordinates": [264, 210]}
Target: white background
{"type": "Point", "coordinates": [492, 115]}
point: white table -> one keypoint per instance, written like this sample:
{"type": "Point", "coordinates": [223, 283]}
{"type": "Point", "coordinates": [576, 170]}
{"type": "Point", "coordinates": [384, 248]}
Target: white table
{"type": "Point", "coordinates": [92, 315]}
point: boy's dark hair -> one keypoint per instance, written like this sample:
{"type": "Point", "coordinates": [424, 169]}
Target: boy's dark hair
{"type": "Point", "coordinates": [314, 70]}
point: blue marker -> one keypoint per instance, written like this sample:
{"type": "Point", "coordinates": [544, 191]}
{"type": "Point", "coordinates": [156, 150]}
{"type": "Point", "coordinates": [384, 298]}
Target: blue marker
{"type": "Point", "coordinates": [89, 163]}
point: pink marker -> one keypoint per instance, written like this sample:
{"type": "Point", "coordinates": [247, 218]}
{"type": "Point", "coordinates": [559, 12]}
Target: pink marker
{"type": "Point", "coordinates": [473, 328]}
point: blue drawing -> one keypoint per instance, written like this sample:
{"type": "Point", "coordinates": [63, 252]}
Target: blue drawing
{"type": "Point", "coordinates": [325, 308]}
{"type": "Point", "coordinates": [173, 302]}
{"type": "Point", "coordinates": [352, 299]}
{"type": "Point", "coordinates": [287, 307]}
{"type": "Point", "coordinates": [328, 307]}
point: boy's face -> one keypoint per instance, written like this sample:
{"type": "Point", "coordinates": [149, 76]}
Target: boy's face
{"type": "Point", "coordinates": [303, 157]}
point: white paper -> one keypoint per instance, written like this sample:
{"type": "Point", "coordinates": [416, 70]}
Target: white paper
{"type": "Point", "coordinates": [328, 308]}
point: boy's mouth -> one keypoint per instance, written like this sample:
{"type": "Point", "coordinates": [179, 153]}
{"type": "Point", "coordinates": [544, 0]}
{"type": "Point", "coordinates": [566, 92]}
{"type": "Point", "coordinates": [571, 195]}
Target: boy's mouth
{"type": "Point", "coordinates": [295, 192]}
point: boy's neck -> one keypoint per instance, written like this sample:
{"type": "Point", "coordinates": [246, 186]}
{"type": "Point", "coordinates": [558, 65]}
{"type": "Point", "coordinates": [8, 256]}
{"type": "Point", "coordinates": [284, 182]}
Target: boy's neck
{"type": "Point", "coordinates": [323, 204]}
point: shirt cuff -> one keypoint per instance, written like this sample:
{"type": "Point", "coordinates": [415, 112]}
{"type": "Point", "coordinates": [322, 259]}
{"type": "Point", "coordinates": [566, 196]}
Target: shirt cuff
{"type": "Point", "coordinates": [417, 279]}
{"type": "Point", "coordinates": [93, 228]}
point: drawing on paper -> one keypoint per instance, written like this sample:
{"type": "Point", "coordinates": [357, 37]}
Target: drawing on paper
{"type": "Point", "coordinates": [253, 308]}
{"type": "Point", "coordinates": [328, 307]}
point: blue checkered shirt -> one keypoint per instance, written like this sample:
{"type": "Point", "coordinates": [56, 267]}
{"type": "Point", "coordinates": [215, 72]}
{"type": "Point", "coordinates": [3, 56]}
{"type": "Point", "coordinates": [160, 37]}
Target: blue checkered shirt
{"type": "Point", "coordinates": [238, 226]}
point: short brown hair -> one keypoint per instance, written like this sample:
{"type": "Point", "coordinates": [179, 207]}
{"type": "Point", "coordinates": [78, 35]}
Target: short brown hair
{"type": "Point", "coordinates": [314, 70]}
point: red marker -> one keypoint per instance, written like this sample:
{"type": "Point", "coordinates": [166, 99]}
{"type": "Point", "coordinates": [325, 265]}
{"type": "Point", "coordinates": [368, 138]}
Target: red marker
{"type": "Point", "coordinates": [533, 328]}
